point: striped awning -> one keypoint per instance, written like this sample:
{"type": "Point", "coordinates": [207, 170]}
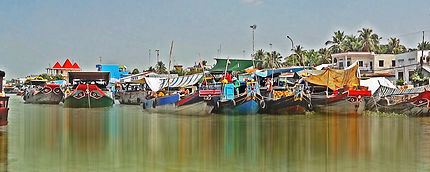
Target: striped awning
{"type": "Point", "coordinates": [157, 84]}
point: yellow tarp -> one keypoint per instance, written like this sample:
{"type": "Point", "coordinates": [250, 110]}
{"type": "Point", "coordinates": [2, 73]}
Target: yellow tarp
{"type": "Point", "coordinates": [332, 78]}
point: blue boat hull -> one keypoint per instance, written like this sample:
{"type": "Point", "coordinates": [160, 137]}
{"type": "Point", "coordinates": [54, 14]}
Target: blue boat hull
{"type": "Point", "coordinates": [160, 101]}
{"type": "Point", "coordinates": [238, 106]}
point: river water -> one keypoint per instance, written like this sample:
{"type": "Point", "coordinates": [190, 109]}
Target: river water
{"type": "Point", "coordinates": [124, 138]}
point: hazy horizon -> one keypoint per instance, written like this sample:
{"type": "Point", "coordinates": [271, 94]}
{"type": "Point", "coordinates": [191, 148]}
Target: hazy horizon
{"type": "Point", "coordinates": [34, 34]}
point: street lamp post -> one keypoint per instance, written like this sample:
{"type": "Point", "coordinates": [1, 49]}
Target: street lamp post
{"type": "Point", "coordinates": [292, 45]}
{"type": "Point", "coordinates": [253, 27]}
{"type": "Point", "coordinates": [158, 55]}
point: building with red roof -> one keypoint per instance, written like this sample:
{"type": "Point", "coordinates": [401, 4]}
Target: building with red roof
{"type": "Point", "coordinates": [64, 69]}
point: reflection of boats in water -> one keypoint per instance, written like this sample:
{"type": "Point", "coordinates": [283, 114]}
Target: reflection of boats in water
{"type": "Point", "coordinates": [40, 92]}
{"type": "Point", "coordinates": [89, 90]}
{"type": "Point", "coordinates": [4, 102]}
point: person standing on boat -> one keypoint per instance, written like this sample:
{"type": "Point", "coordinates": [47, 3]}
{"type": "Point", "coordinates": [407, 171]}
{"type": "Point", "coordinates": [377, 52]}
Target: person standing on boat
{"type": "Point", "coordinates": [236, 85]}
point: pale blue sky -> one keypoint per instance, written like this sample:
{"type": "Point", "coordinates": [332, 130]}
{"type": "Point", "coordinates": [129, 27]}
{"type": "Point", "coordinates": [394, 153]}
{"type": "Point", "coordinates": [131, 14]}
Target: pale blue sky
{"type": "Point", "coordinates": [36, 33]}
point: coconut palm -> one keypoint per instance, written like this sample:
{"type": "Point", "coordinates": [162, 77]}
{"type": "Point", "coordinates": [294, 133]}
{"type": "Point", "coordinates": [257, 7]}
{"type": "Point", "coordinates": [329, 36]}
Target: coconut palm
{"type": "Point", "coordinates": [259, 55]}
{"type": "Point", "coordinates": [298, 51]}
{"type": "Point", "coordinates": [272, 59]}
{"type": "Point", "coordinates": [369, 40]}
{"type": "Point", "coordinates": [160, 68]}
{"type": "Point", "coordinates": [424, 45]}
{"type": "Point", "coordinates": [351, 43]}
{"type": "Point", "coordinates": [336, 42]}
{"type": "Point", "coordinates": [325, 55]}
{"type": "Point", "coordinates": [394, 46]}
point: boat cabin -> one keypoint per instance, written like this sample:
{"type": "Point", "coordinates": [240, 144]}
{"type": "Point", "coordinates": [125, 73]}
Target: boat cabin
{"type": "Point", "coordinates": [100, 79]}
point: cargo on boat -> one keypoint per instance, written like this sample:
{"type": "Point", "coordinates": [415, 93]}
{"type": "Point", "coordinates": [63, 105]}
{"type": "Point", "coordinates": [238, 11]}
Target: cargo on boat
{"type": "Point", "coordinates": [89, 90]}
{"type": "Point", "coordinates": [38, 91]}
{"type": "Point", "coordinates": [343, 94]}
{"type": "Point", "coordinates": [411, 102]}
{"type": "Point", "coordinates": [4, 102]}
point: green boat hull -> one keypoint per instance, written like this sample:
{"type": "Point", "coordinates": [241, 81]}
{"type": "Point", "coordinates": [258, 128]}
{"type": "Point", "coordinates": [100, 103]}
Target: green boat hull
{"type": "Point", "coordinates": [72, 102]}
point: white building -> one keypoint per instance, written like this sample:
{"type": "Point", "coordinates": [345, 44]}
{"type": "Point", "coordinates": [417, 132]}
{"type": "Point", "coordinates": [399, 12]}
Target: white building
{"type": "Point", "coordinates": [369, 63]}
{"type": "Point", "coordinates": [408, 62]}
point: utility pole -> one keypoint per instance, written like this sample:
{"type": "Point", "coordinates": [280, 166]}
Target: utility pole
{"type": "Point", "coordinates": [158, 54]}
{"type": "Point", "coordinates": [253, 27]}
{"type": "Point", "coordinates": [292, 46]}
{"type": "Point", "coordinates": [149, 57]}
{"type": "Point", "coordinates": [422, 52]}
{"type": "Point", "coordinates": [100, 60]}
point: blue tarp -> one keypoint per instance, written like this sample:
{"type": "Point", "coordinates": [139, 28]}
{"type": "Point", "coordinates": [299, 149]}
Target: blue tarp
{"type": "Point", "coordinates": [268, 72]}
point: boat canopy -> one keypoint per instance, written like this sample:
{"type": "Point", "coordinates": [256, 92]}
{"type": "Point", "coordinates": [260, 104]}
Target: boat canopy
{"type": "Point", "coordinates": [268, 72]}
{"type": "Point", "coordinates": [374, 83]}
{"type": "Point", "coordinates": [89, 76]}
{"type": "Point", "coordinates": [156, 83]}
{"type": "Point", "coordinates": [336, 78]}
{"type": "Point", "coordinates": [234, 64]}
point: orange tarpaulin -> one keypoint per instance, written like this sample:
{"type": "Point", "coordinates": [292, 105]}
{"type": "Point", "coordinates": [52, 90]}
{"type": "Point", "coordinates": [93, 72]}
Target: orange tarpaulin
{"type": "Point", "coordinates": [340, 78]}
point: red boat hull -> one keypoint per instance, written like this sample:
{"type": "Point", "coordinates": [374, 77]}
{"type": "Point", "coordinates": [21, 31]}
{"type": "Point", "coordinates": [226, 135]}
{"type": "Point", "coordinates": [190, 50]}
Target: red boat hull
{"type": "Point", "coordinates": [3, 116]}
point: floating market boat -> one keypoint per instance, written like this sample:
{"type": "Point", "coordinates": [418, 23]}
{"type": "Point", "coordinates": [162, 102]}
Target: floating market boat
{"type": "Point", "coordinates": [350, 99]}
{"type": "Point", "coordinates": [11, 90]}
{"type": "Point", "coordinates": [89, 90]}
{"type": "Point", "coordinates": [248, 102]}
{"type": "Point", "coordinates": [291, 101]}
{"type": "Point", "coordinates": [38, 91]}
{"type": "Point", "coordinates": [411, 102]}
{"type": "Point", "coordinates": [4, 102]}
{"type": "Point", "coordinates": [172, 100]}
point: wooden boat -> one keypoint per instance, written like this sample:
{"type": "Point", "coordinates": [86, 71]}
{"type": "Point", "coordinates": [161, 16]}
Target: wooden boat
{"type": "Point", "coordinates": [411, 102]}
{"type": "Point", "coordinates": [89, 90]}
{"type": "Point", "coordinates": [131, 94]}
{"type": "Point", "coordinates": [292, 101]}
{"type": "Point", "coordinates": [165, 104]}
{"type": "Point", "coordinates": [248, 102]}
{"type": "Point", "coordinates": [4, 103]}
{"type": "Point", "coordinates": [11, 90]}
{"type": "Point", "coordinates": [344, 102]}
{"type": "Point", "coordinates": [40, 92]}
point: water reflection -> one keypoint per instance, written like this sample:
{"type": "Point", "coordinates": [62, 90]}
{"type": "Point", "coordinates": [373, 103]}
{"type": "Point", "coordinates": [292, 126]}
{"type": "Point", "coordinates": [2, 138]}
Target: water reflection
{"type": "Point", "coordinates": [53, 138]}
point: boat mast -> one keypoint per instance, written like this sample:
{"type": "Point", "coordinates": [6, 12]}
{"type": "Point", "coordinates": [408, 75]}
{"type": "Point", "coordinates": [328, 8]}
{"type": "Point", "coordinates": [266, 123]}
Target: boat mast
{"type": "Point", "coordinates": [168, 71]}
{"type": "Point", "coordinates": [203, 69]}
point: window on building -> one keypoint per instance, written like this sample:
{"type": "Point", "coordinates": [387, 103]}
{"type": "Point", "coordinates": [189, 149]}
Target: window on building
{"type": "Point", "coordinates": [400, 75]}
{"type": "Point", "coordinates": [371, 65]}
{"type": "Point", "coordinates": [335, 60]}
{"type": "Point", "coordinates": [360, 63]}
{"type": "Point", "coordinates": [393, 63]}
{"type": "Point", "coordinates": [341, 65]}
{"type": "Point", "coordinates": [381, 63]}
{"type": "Point", "coordinates": [348, 63]}
{"type": "Point", "coordinates": [410, 74]}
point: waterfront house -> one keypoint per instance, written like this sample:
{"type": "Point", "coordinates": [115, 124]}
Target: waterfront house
{"type": "Point", "coordinates": [408, 62]}
{"type": "Point", "coordinates": [369, 63]}
{"type": "Point", "coordinates": [64, 69]}
{"type": "Point", "coordinates": [116, 71]}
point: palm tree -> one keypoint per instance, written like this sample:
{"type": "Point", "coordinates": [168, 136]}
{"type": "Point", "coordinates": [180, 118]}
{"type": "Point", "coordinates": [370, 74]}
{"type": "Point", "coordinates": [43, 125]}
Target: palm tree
{"type": "Point", "coordinates": [324, 56]}
{"type": "Point", "coordinates": [394, 46]}
{"type": "Point", "coordinates": [135, 71]}
{"type": "Point", "coordinates": [298, 51]}
{"type": "Point", "coordinates": [160, 68]}
{"type": "Point", "coordinates": [424, 45]}
{"type": "Point", "coordinates": [259, 55]}
{"type": "Point", "coordinates": [369, 40]}
{"type": "Point", "coordinates": [272, 60]}
{"type": "Point", "coordinates": [336, 42]}
{"type": "Point", "coordinates": [351, 43]}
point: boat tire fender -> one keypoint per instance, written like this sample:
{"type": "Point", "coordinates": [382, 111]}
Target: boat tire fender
{"type": "Point", "coordinates": [154, 103]}
{"type": "Point", "coordinates": [262, 104]}
{"type": "Point", "coordinates": [234, 102]}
